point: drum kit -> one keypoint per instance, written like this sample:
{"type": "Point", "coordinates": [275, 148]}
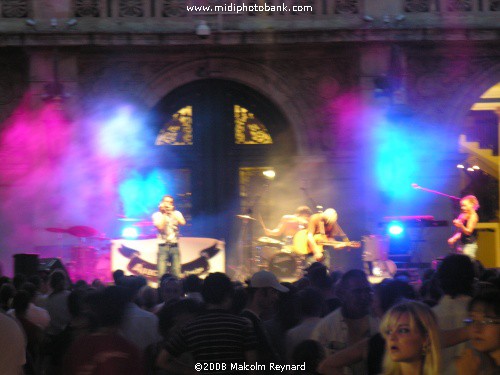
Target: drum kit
{"type": "Point", "coordinates": [279, 258]}
{"type": "Point", "coordinates": [86, 260]}
{"type": "Point", "coordinates": [274, 255]}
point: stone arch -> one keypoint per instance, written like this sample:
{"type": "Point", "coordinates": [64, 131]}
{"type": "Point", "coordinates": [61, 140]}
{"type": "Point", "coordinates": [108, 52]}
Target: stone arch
{"type": "Point", "coordinates": [475, 86]}
{"type": "Point", "coordinates": [256, 76]}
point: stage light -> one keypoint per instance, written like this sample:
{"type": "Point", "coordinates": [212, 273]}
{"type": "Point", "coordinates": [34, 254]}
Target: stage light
{"type": "Point", "coordinates": [476, 167]}
{"type": "Point", "coordinates": [203, 30]}
{"type": "Point", "coordinates": [270, 174]}
{"type": "Point", "coordinates": [470, 169]}
{"type": "Point", "coordinates": [460, 166]}
{"type": "Point", "coordinates": [395, 229]}
{"type": "Point", "coordinates": [130, 233]}
{"type": "Point", "coordinates": [72, 22]}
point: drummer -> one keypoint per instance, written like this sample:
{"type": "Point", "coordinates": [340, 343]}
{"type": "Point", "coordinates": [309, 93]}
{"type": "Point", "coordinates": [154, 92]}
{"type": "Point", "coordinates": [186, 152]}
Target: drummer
{"type": "Point", "coordinates": [290, 224]}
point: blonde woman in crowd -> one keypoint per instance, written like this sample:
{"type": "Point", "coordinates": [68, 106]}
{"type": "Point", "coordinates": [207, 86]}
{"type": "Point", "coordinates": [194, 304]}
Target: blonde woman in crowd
{"type": "Point", "coordinates": [411, 333]}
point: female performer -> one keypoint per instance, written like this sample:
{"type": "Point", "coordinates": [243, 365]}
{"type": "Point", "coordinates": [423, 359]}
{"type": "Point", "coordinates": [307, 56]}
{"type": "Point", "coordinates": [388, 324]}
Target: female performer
{"type": "Point", "coordinates": [466, 223]}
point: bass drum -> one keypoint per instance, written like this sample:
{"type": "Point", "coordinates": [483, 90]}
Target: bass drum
{"type": "Point", "coordinates": [286, 266]}
{"type": "Point", "coordinates": [267, 252]}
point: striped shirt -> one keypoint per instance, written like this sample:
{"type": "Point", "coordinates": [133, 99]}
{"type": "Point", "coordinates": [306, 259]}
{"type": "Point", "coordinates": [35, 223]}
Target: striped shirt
{"type": "Point", "coordinates": [214, 337]}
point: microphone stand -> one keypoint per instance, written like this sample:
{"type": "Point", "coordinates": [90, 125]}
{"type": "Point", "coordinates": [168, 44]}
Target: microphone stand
{"type": "Point", "coordinates": [248, 258]}
{"type": "Point", "coordinates": [417, 187]}
{"type": "Point", "coordinates": [452, 197]}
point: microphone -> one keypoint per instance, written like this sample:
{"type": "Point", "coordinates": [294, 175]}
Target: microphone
{"type": "Point", "coordinates": [415, 186]}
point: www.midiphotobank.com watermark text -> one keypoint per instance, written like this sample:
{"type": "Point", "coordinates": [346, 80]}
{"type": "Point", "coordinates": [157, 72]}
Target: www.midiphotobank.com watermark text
{"type": "Point", "coordinates": [244, 8]}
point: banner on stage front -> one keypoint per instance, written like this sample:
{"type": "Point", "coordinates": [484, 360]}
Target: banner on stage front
{"type": "Point", "coordinates": [199, 256]}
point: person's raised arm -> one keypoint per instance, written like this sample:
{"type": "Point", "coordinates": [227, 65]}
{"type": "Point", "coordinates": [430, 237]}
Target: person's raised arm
{"type": "Point", "coordinates": [274, 232]}
{"type": "Point", "coordinates": [334, 363]}
{"type": "Point", "coordinates": [180, 219]}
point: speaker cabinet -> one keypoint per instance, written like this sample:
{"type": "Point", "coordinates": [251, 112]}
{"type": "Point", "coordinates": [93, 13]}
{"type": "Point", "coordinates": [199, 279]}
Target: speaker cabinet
{"type": "Point", "coordinates": [26, 264]}
{"type": "Point", "coordinates": [50, 264]}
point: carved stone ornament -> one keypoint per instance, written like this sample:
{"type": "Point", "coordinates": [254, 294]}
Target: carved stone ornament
{"type": "Point", "coordinates": [417, 6]}
{"type": "Point", "coordinates": [174, 8]}
{"type": "Point", "coordinates": [459, 5]}
{"type": "Point", "coordinates": [131, 8]}
{"type": "Point", "coordinates": [87, 8]}
{"type": "Point", "coordinates": [14, 8]}
{"type": "Point", "coordinates": [346, 6]}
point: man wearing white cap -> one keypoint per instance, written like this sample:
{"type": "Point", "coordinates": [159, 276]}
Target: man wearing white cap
{"type": "Point", "coordinates": [263, 292]}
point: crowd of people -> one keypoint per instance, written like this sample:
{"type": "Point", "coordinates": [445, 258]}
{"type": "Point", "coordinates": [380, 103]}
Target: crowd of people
{"type": "Point", "coordinates": [324, 323]}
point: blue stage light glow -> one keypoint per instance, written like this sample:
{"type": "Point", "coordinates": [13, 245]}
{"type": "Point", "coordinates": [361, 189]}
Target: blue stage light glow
{"type": "Point", "coordinates": [141, 192]}
{"type": "Point", "coordinates": [395, 229]}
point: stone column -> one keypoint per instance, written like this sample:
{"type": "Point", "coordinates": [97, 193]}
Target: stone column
{"type": "Point", "coordinates": [374, 63]}
{"type": "Point", "coordinates": [497, 112]}
{"type": "Point", "coordinates": [48, 66]}
{"type": "Point", "coordinates": [52, 120]}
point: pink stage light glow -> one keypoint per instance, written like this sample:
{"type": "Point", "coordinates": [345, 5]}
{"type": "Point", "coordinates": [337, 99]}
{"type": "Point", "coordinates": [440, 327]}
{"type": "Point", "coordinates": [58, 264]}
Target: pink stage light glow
{"type": "Point", "coordinates": [61, 172]}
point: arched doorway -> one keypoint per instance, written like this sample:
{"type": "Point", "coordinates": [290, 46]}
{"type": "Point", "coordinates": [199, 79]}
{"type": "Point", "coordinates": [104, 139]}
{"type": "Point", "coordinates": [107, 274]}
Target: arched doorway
{"type": "Point", "coordinates": [210, 134]}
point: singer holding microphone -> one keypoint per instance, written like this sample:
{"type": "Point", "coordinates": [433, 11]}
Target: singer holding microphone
{"type": "Point", "coordinates": [465, 237]}
{"type": "Point", "coordinates": [167, 221]}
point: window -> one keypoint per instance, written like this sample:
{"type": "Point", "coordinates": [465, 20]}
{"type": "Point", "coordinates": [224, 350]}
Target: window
{"type": "Point", "coordinates": [248, 130]}
{"type": "Point", "coordinates": [179, 130]}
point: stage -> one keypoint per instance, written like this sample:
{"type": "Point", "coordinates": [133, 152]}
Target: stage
{"type": "Point", "coordinates": [199, 256]}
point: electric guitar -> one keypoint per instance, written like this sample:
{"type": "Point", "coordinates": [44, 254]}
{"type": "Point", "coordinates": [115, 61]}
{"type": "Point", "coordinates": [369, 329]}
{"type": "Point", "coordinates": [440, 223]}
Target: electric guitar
{"type": "Point", "coordinates": [301, 244]}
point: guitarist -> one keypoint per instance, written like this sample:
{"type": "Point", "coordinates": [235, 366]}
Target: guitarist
{"type": "Point", "coordinates": [323, 226]}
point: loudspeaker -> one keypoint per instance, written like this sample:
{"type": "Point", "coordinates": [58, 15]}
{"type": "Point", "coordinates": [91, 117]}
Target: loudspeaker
{"type": "Point", "coordinates": [26, 264]}
{"type": "Point", "coordinates": [50, 264]}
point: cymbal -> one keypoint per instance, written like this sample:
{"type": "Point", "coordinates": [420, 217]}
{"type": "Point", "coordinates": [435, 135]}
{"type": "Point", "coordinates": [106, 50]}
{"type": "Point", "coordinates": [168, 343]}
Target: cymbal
{"type": "Point", "coordinates": [245, 217]}
{"type": "Point", "coordinates": [270, 241]}
{"type": "Point", "coordinates": [56, 230]}
{"type": "Point", "coordinates": [82, 231]}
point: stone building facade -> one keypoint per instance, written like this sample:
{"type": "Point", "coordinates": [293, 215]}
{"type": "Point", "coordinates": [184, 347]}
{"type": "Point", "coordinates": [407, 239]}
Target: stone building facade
{"type": "Point", "coordinates": [327, 72]}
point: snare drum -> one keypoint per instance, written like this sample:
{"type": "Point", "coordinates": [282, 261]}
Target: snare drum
{"type": "Point", "coordinates": [285, 266]}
